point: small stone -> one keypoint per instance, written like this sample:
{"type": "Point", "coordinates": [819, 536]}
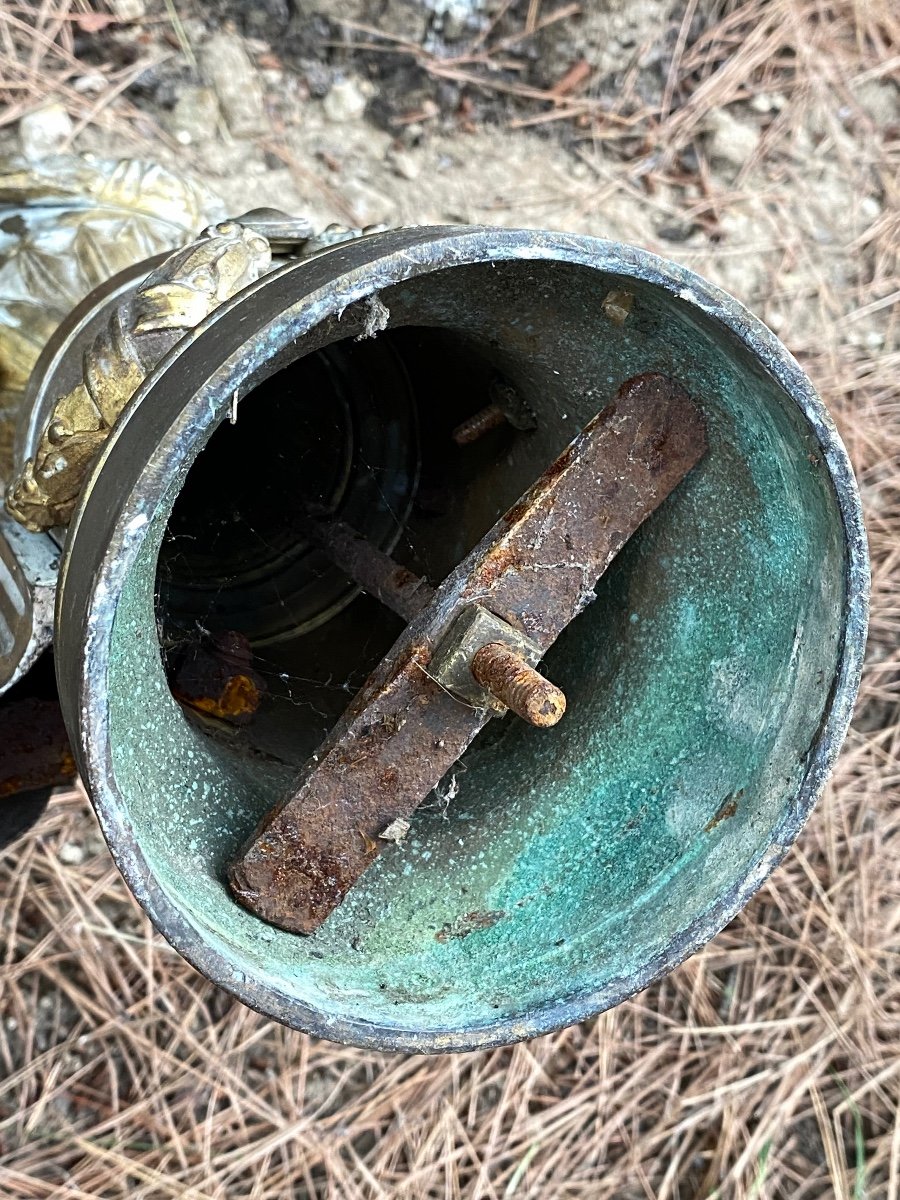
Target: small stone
{"type": "Point", "coordinates": [90, 84]}
{"type": "Point", "coordinates": [196, 115]}
{"type": "Point", "coordinates": [407, 166]}
{"type": "Point", "coordinates": [456, 22]}
{"type": "Point", "coordinates": [45, 132]}
{"type": "Point", "coordinates": [676, 231]}
{"type": "Point", "coordinates": [766, 102]}
{"type": "Point", "coordinates": [870, 208]}
{"type": "Point", "coordinates": [881, 99]}
{"type": "Point", "coordinates": [71, 854]}
{"type": "Point", "coordinates": [226, 66]}
{"type": "Point", "coordinates": [730, 140]}
{"type": "Point", "coordinates": [128, 10]}
{"type": "Point", "coordinates": [345, 101]}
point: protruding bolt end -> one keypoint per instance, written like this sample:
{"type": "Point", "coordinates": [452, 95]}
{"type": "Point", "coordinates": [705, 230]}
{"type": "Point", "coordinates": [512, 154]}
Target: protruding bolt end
{"type": "Point", "coordinates": [478, 425]}
{"type": "Point", "coordinates": [515, 683]}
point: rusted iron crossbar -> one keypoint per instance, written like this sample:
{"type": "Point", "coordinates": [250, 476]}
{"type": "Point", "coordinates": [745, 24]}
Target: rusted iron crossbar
{"type": "Point", "coordinates": [376, 572]}
{"type": "Point", "coordinates": [536, 570]}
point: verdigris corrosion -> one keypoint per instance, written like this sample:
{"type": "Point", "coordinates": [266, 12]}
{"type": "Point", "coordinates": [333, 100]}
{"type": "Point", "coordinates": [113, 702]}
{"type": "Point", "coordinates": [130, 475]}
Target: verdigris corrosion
{"type": "Point", "coordinates": [709, 684]}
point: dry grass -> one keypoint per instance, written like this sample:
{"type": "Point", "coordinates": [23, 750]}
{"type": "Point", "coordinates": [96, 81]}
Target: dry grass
{"type": "Point", "coordinates": [769, 1065]}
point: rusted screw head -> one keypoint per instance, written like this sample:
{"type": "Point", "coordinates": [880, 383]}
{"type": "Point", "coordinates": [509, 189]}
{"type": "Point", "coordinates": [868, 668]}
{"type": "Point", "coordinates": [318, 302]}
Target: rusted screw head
{"type": "Point", "coordinates": [508, 677]}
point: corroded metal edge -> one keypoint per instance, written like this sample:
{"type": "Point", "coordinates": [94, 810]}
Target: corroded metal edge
{"type": "Point", "coordinates": [28, 567]}
{"type": "Point", "coordinates": [109, 528]}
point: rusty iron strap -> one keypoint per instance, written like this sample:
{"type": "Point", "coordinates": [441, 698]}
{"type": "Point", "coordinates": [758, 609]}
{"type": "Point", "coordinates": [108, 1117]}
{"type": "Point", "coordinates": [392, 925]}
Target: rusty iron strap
{"type": "Point", "coordinates": [34, 747]}
{"type": "Point", "coordinates": [536, 569]}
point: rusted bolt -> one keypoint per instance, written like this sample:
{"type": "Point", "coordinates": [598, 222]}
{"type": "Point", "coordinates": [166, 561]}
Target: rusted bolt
{"type": "Point", "coordinates": [508, 677]}
{"type": "Point", "coordinates": [506, 407]}
{"type": "Point", "coordinates": [487, 418]}
{"type": "Point", "coordinates": [376, 572]}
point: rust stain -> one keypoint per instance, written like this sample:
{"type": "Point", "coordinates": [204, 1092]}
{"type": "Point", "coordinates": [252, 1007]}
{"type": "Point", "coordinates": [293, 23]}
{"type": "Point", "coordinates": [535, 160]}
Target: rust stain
{"type": "Point", "coordinates": [237, 701]}
{"type": "Point", "coordinates": [214, 677]}
{"type": "Point", "coordinates": [496, 562]}
{"type": "Point", "coordinates": [728, 808]}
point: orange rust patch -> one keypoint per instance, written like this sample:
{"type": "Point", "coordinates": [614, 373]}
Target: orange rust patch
{"type": "Point", "coordinates": [495, 564]}
{"type": "Point", "coordinates": [727, 809]}
{"type": "Point", "coordinates": [239, 697]}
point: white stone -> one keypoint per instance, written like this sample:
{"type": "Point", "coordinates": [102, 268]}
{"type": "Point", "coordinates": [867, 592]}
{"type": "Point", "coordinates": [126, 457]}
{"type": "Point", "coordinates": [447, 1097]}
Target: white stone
{"type": "Point", "coordinates": [406, 165]}
{"type": "Point", "coordinates": [227, 68]}
{"type": "Point", "coordinates": [345, 101]}
{"type": "Point", "coordinates": [765, 102]}
{"type": "Point", "coordinates": [128, 10]}
{"type": "Point", "coordinates": [881, 99]}
{"type": "Point", "coordinates": [71, 854]}
{"type": "Point", "coordinates": [45, 131]}
{"type": "Point", "coordinates": [93, 82]}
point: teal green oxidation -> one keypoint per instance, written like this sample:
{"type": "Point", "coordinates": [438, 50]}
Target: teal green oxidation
{"type": "Point", "coordinates": [696, 683]}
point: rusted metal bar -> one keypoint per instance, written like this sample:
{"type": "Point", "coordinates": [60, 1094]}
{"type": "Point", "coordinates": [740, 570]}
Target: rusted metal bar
{"type": "Point", "coordinates": [536, 569]}
{"type": "Point", "coordinates": [376, 572]}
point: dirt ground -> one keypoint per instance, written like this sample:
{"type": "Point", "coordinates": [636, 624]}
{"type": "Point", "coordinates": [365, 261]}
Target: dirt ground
{"type": "Point", "coordinates": [756, 141]}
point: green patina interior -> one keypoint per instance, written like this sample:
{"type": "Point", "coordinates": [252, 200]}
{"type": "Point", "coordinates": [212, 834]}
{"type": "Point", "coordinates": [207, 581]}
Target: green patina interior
{"type": "Point", "coordinates": [568, 859]}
